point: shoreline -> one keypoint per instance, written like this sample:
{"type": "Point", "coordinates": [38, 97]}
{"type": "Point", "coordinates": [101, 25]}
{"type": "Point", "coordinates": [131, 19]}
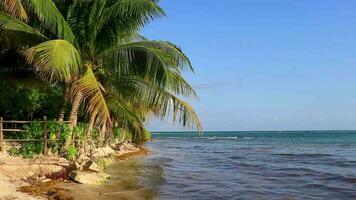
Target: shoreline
{"type": "Point", "coordinates": [124, 182]}
{"type": "Point", "coordinates": [40, 179]}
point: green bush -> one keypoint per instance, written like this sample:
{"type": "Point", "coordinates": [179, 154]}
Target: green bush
{"type": "Point", "coordinates": [117, 133]}
{"type": "Point", "coordinates": [35, 131]}
{"type": "Point", "coordinates": [32, 131]}
{"type": "Point", "coordinates": [79, 131]}
{"type": "Point", "coordinates": [62, 130]}
{"type": "Point", "coordinates": [28, 101]}
{"type": "Point", "coordinates": [13, 151]}
{"type": "Point", "coordinates": [28, 150]}
{"type": "Point", "coordinates": [72, 152]}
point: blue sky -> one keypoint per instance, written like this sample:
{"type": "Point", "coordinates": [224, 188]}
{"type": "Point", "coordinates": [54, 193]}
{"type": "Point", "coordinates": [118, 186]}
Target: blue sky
{"type": "Point", "coordinates": [266, 65]}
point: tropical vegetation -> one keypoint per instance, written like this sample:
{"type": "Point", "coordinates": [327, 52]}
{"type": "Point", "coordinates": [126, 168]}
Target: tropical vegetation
{"type": "Point", "coordinates": [85, 61]}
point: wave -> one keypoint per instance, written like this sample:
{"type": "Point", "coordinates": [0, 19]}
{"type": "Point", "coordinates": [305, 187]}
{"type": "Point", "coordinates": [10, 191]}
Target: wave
{"type": "Point", "coordinates": [247, 138]}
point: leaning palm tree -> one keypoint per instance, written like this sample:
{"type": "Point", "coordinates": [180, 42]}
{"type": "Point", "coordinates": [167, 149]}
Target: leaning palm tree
{"type": "Point", "coordinates": [94, 49]}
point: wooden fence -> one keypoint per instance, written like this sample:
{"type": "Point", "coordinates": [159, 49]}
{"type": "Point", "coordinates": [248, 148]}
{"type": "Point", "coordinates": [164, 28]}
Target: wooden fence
{"type": "Point", "coordinates": [13, 127]}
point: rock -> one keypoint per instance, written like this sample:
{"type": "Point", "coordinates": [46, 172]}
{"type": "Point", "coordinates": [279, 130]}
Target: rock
{"type": "Point", "coordinates": [103, 152]}
{"type": "Point", "coordinates": [91, 165]}
{"type": "Point", "coordinates": [78, 166]}
{"type": "Point", "coordinates": [63, 162]}
{"type": "Point", "coordinates": [91, 178]}
{"type": "Point", "coordinates": [82, 158]}
{"type": "Point", "coordinates": [129, 147]}
{"type": "Point", "coordinates": [46, 180]}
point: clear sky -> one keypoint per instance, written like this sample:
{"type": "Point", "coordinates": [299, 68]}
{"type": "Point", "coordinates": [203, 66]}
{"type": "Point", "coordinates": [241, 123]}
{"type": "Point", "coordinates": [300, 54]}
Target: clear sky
{"type": "Point", "coordinates": [266, 64]}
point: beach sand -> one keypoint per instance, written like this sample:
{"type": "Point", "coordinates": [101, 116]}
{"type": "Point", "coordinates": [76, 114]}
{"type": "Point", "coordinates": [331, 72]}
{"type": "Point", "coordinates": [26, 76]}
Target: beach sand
{"type": "Point", "coordinates": [29, 179]}
{"type": "Point", "coordinates": [18, 172]}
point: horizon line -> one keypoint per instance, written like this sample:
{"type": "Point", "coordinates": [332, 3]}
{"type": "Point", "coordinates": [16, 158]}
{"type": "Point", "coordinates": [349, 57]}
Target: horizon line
{"type": "Point", "coordinates": [180, 131]}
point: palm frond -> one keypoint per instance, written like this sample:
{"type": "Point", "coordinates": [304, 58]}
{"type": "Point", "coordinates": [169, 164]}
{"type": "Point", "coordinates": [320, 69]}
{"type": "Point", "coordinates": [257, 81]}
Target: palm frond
{"type": "Point", "coordinates": [51, 18]}
{"type": "Point", "coordinates": [161, 61]}
{"type": "Point", "coordinates": [55, 60]}
{"type": "Point", "coordinates": [120, 111]}
{"type": "Point", "coordinates": [17, 32]}
{"type": "Point", "coordinates": [127, 118]}
{"type": "Point", "coordinates": [140, 12]}
{"type": "Point", "coordinates": [137, 131]}
{"type": "Point", "coordinates": [163, 102]}
{"type": "Point", "coordinates": [15, 8]}
{"type": "Point", "coordinates": [94, 98]}
{"type": "Point", "coordinates": [129, 15]}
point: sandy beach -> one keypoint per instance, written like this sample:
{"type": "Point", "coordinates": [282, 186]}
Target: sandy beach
{"type": "Point", "coordinates": [40, 174]}
{"type": "Point", "coordinates": [18, 172]}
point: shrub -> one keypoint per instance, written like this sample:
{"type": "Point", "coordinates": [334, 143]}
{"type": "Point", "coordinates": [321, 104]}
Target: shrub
{"type": "Point", "coordinates": [61, 129]}
{"type": "Point", "coordinates": [13, 151]}
{"type": "Point", "coordinates": [35, 131]}
{"type": "Point", "coordinates": [28, 150]}
{"type": "Point", "coordinates": [72, 152]}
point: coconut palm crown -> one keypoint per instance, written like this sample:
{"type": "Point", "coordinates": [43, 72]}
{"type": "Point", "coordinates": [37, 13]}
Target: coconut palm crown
{"type": "Point", "coordinates": [93, 48]}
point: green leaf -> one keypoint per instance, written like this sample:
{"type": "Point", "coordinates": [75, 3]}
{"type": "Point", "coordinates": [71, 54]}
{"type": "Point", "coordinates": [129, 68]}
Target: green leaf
{"type": "Point", "coordinates": [93, 94]}
{"type": "Point", "coordinates": [163, 102]}
{"type": "Point", "coordinates": [51, 18]}
{"type": "Point", "coordinates": [123, 18]}
{"type": "Point", "coordinates": [159, 61]}
{"type": "Point", "coordinates": [55, 60]}
{"type": "Point", "coordinates": [17, 32]}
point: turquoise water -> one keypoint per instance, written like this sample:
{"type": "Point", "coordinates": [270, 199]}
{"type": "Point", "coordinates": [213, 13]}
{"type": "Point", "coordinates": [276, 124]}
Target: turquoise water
{"type": "Point", "coordinates": [251, 165]}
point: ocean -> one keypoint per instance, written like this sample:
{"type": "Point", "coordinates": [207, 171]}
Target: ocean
{"type": "Point", "coordinates": [252, 165]}
{"type": "Point", "coordinates": [292, 165]}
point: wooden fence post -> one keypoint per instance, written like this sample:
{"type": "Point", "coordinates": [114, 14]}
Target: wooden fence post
{"type": "Point", "coordinates": [45, 137]}
{"type": "Point", "coordinates": [2, 145]}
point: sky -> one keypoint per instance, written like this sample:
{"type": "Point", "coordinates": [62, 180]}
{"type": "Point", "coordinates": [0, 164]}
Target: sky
{"type": "Point", "coordinates": [265, 65]}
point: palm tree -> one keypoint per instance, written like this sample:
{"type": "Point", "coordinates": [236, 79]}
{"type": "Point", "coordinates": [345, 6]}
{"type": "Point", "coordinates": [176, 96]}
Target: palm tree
{"type": "Point", "coordinates": [94, 49]}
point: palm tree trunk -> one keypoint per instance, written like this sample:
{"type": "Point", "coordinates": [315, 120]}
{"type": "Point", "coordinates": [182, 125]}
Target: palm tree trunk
{"type": "Point", "coordinates": [102, 134]}
{"type": "Point", "coordinates": [62, 111]}
{"type": "Point", "coordinates": [63, 108]}
{"type": "Point", "coordinates": [89, 131]}
{"type": "Point", "coordinates": [61, 115]}
{"type": "Point", "coordinates": [73, 118]}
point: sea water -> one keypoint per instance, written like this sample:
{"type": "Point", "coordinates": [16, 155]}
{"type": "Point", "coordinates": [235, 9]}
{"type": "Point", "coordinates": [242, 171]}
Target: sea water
{"type": "Point", "coordinates": [299, 165]}
{"type": "Point", "coordinates": [251, 165]}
